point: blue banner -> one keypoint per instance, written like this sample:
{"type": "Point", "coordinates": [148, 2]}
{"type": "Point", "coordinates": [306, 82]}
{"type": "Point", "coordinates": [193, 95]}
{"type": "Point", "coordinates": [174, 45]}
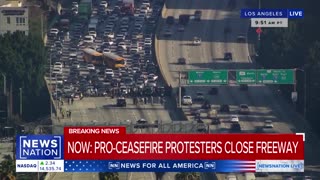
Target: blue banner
{"type": "Point", "coordinates": [159, 166]}
{"type": "Point", "coordinates": [272, 13]}
{"type": "Point", "coordinates": [36, 147]}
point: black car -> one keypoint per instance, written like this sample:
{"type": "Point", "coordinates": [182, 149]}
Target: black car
{"type": "Point", "coordinates": [170, 20]}
{"type": "Point", "coordinates": [235, 127]}
{"type": "Point", "coordinates": [213, 91]}
{"type": "Point", "coordinates": [141, 123]}
{"type": "Point", "coordinates": [148, 91]}
{"type": "Point", "coordinates": [121, 102]}
{"type": "Point", "coordinates": [202, 127]}
{"type": "Point", "coordinates": [160, 91]}
{"type": "Point", "coordinates": [206, 105]}
{"type": "Point", "coordinates": [197, 15]}
{"type": "Point", "coordinates": [184, 19]}
{"type": "Point", "coordinates": [215, 121]}
{"type": "Point", "coordinates": [182, 61]}
{"type": "Point", "coordinates": [243, 87]}
{"type": "Point", "coordinates": [228, 56]}
{"type": "Point", "coordinates": [224, 108]}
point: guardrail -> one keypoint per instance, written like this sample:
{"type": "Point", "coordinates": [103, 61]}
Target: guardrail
{"type": "Point", "coordinates": [54, 105]}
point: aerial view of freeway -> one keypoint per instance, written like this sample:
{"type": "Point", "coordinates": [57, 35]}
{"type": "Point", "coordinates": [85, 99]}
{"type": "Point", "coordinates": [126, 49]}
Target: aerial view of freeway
{"type": "Point", "coordinates": [163, 66]}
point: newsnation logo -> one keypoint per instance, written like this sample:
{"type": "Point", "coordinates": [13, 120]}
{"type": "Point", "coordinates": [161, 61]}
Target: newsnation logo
{"type": "Point", "coordinates": [33, 151]}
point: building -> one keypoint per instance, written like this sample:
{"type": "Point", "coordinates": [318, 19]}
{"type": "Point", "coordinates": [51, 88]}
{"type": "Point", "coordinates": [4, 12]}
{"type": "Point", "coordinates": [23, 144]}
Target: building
{"type": "Point", "coordinates": [13, 17]}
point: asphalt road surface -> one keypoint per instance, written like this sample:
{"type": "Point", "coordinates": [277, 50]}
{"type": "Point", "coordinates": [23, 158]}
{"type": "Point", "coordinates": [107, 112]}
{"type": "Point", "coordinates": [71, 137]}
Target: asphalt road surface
{"type": "Point", "coordinates": [264, 103]}
{"type": "Point", "coordinates": [102, 111]}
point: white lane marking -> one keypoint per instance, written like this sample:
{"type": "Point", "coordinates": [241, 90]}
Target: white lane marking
{"type": "Point", "coordinates": [248, 52]}
{"type": "Point", "coordinates": [114, 113]}
{"type": "Point", "coordinates": [84, 115]}
{"type": "Point", "coordinates": [151, 174]}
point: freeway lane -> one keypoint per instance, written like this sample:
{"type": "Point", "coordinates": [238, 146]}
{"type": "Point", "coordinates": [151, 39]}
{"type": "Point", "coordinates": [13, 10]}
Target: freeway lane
{"type": "Point", "coordinates": [263, 102]}
{"type": "Point", "coordinates": [102, 111]}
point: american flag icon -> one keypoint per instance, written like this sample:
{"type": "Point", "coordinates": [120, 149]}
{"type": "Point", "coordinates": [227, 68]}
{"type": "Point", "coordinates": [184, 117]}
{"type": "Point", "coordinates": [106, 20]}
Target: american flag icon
{"type": "Point", "coordinates": [243, 166]}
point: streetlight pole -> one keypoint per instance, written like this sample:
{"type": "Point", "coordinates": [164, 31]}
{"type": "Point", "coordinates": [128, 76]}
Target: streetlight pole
{"type": "Point", "coordinates": [4, 84]}
{"type": "Point", "coordinates": [304, 91]}
{"type": "Point", "coordinates": [179, 90]}
{"type": "Point", "coordinates": [50, 86]}
{"type": "Point", "coordinates": [20, 89]}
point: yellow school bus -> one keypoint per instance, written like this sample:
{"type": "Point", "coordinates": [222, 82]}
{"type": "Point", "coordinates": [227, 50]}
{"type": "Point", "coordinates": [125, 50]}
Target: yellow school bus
{"type": "Point", "coordinates": [92, 56]}
{"type": "Point", "coordinates": [114, 61]}
{"type": "Point", "coordinates": [111, 60]}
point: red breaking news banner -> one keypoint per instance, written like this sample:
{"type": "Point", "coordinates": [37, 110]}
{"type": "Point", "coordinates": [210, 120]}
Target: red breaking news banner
{"type": "Point", "coordinates": [111, 143]}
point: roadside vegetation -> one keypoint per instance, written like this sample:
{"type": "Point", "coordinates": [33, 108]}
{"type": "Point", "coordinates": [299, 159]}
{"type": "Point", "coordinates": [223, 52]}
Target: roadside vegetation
{"type": "Point", "coordinates": [23, 60]}
{"type": "Point", "coordinates": [108, 176]}
{"type": "Point", "coordinates": [297, 46]}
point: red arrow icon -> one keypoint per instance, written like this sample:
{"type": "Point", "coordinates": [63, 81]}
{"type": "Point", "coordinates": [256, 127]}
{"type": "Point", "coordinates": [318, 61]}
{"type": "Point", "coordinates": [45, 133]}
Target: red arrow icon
{"type": "Point", "coordinates": [259, 30]}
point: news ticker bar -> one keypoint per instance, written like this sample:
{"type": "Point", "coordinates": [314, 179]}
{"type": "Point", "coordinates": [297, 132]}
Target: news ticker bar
{"type": "Point", "coordinates": [272, 13]}
{"type": "Point", "coordinates": [221, 166]}
{"type": "Point", "coordinates": [94, 144]}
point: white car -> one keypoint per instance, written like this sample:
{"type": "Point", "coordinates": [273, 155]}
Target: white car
{"type": "Point", "coordinates": [57, 71]}
{"type": "Point", "coordinates": [186, 100]}
{"type": "Point", "coordinates": [120, 37]}
{"type": "Point", "coordinates": [59, 80]}
{"type": "Point", "coordinates": [91, 67]}
{"type": "Point", "coordinates": [122, 45]}
{"type": "Point", "coordinates": [152, 83]}
{"type": "Point", "coordinates": [196, 41]}
{"type": "Point", "coordinates": [109, 72]}
{"type": "Point", "coordinates": [152, 77]}
{"type": "Point", "coordinates": [57, 65]}
{"type": "Point", "coordinates": [75, 4]}
{"type": "Point", "coordinates": [88, 39]}
{"type": "Point", "coordinates": [140, 84]}
{"type": "Point", "coordinates": [76, 65]}
{"type": "Point", "coordinates": [124, 90]}
{"type": "Point", "coordinates": [93, 33]}
{"type": "Point", "coordinates": [147, 42]}
{"type": "Point", "coordinates": [104, 3]}
{"type": "Point", "coordinates": [110, 35]}
{"type": "Point", "coordinates": [54, 31]}
{"type": "Point", "coordinates": [110, 42]}
{"type": "Point", "coordinates": [234, 119]}
{"type": "Point", "coordinates": [268, 124]}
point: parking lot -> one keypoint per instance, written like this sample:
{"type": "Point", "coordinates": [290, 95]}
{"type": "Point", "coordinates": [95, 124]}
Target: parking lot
{"type": "Point", "coordinates": [127, 36]}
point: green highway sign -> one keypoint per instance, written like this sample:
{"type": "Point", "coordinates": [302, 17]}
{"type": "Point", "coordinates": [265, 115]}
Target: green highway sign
{"type": "Point", "coordinates": [275, 76]}
{"type": "Point", "coordinates": [246, 76]}
{"type": "Point", "coordinates": [207, 77]}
